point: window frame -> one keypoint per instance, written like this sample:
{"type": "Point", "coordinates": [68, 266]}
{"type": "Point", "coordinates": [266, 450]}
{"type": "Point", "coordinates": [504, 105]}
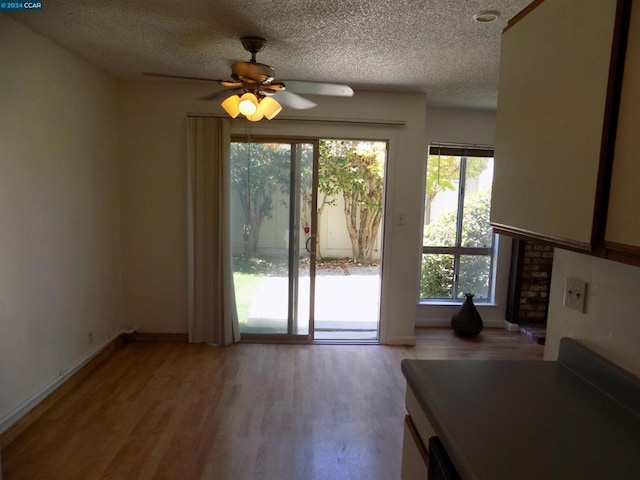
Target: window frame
{"type": "Point", "coordinates": [457, 251]}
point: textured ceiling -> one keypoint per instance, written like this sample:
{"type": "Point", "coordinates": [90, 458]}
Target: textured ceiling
{"type": "Point", "coordinates": [431, 46]}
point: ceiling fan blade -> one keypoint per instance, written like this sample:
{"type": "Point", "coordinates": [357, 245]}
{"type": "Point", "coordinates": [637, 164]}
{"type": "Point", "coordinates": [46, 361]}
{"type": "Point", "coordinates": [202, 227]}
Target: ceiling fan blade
{"type": "Point", "coordinates": [319, 88]}
{"type": "Point", "coordinates": [221, 93]}
{"type": "Point", "coordinates": [269, 89]}
{"type": "Point", "coordinates": [293, 100]}
{"type": "Point", "coordinates": [275, 86]}
{"type": "Point", "coordinates": [230, 83]}
{"type": "Point", "coordinates": [182, 77]}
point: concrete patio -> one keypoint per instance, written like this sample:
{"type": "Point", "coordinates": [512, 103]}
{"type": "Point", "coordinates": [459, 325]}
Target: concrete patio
{"type": "Point", "coordinates": [346, 304]}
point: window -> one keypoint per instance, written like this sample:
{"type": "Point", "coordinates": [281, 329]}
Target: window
{"type": "Point", "coordinates": [458, 242]}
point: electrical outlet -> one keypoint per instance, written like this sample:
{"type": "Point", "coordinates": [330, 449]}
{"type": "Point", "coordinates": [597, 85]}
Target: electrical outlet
{"type": "Point", "coordinates": [574, 294]}
{"type": "Point", "coordinates": [90, 337]}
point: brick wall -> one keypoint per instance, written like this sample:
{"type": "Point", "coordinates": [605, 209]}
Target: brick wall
{"type": "Point", "coordinates": [535, 280]}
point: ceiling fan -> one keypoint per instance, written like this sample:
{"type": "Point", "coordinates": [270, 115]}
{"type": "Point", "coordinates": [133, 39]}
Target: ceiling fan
{"type": "Point", "coordinates": [254, 91]}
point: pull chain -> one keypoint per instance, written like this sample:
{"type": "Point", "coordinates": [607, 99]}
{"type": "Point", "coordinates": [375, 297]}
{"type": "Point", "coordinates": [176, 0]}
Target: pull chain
{"type": "Point", "coordinates": [246, 232]}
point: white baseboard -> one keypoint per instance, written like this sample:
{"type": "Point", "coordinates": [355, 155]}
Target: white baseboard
{"type": "Point", "coordinates": [9, 419]}
{"type": "Point", "coordinates": [511, 327]}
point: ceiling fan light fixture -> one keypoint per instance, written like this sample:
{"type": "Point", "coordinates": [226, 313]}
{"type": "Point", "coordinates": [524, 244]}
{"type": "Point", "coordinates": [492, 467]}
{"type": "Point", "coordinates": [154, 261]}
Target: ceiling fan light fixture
{"type": "Point", "coordinates": [230, 105]}
{"type": "Point", "coordinates": [252, 87]}
{"type": "Point", "coordinates": [248, 104]}
{"type": "Point", "coordinates": [270, 107]}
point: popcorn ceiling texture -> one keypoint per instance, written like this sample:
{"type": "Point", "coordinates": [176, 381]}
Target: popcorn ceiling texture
{"type": "Point", "coordinates": [431, 46]}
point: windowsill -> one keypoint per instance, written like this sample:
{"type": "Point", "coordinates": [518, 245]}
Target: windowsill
{"type": "Point", "coordinates": [438, 313]}
{"type": "Point", "coordinates": [453, 303]}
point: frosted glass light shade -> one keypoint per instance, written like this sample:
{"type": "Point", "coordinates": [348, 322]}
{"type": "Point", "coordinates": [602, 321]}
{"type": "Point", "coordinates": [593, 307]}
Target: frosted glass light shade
{"type": "Point", "coordinates": [248, 104]}
{"type": "Point", "coordinates": [256, 117]}
{"type": "Point", "coordinates": [230, 106]}
{"type": "Point", "coordinates": [270, 107]}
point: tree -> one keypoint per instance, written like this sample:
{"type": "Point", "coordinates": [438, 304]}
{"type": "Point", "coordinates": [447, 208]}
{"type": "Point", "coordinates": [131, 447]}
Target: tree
{"type": "Point", "coordinates": [351, 168]}
{"type": "Point", "coordinates": [437, 270]}
{"type": "Point", "coordinates": [443, 173]}
{"type": "Point", "coordinates": [355, 170]}
{"type": "Point", "coordinates": [258, 171]}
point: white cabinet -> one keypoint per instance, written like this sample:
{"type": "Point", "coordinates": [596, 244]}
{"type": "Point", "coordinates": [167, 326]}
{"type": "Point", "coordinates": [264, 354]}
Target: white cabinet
{"type": "Point", "coordinates": [554, 128]}
{"type": "Point", "coordinates": [417, 431]}
{"type": "Point", "coordinates": [414, 454]}
{"type": "Point", "coordinates": [623, 222]}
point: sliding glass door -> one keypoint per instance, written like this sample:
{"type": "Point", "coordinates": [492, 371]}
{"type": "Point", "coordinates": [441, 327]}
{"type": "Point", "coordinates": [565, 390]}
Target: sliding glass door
{"type": "Point", "coordinates": [292, 198]}
{"type": "Point", "coordinates": [272, 234]}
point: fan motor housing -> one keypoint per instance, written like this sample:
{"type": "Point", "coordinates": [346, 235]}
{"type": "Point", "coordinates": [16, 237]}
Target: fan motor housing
{"type": "Point", "coordinates": [252, 72]}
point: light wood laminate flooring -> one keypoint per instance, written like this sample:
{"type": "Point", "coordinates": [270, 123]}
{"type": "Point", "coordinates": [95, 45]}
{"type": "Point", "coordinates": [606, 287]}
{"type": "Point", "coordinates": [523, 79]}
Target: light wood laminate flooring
{"type": "Point", "coordinates": [250, 411]}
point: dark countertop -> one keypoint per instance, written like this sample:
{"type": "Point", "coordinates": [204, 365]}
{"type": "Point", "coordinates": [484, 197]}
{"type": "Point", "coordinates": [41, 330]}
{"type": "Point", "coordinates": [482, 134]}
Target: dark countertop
{"type": "Point", "coordinates": [519, 420]}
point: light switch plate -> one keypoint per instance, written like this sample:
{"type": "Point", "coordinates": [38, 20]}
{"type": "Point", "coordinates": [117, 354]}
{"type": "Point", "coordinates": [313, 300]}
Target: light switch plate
{"type": "Point", "coordinates": [574, 294]}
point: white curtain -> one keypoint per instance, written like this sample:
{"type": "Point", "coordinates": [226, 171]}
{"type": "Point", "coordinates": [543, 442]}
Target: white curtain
{"type": "Point", "coordinates": [212, 308]}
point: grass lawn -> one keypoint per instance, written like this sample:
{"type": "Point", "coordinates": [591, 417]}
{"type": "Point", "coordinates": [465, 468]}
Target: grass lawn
{"type": "Point", "coordinates": [246, 285]}
{"type": "Point", "coordinates": [249, 273]}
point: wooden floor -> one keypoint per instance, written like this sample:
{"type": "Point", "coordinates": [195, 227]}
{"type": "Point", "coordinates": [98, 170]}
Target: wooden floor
{"type": "Point", "coordinates": [175, 411]}
{"type": "Point", "coordinates": [491, 344]}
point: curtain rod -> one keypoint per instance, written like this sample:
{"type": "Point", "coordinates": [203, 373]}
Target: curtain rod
{"type": "Point", "coordinates": [356, 121]}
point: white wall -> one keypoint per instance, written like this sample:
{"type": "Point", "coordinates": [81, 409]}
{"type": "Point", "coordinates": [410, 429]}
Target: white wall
{"type": "Point", "coordinates": [472, 127]}
{"type": "Point", "coordinates": [274, 232]}
{"type": "Point", "coordinates": [59, 212]}
{"type": "Point", "coordinates": [153, 124]}
{"type": "Point", "coordinates": [611, 322]}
